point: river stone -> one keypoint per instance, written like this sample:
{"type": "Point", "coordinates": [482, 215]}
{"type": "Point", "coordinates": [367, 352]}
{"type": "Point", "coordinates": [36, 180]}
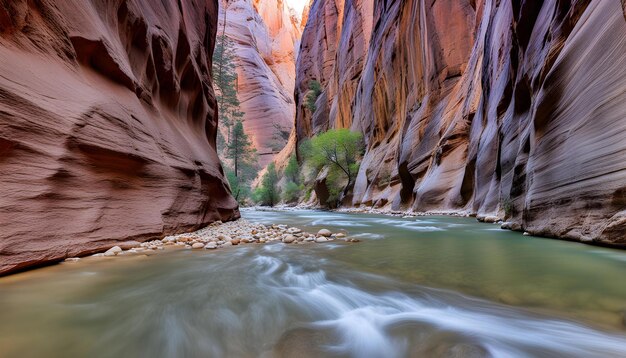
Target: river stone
{"type": "Point", "coordinates": [211, 245]}
{"type": "Point", "coordinates": [294, 230]}
{"type": "Point", "coordinates": [197, 245]}
{"type": "Point", "coordinates": [321, 239]}
{"type": "Point", "coordinates": [234, 241]}
{"type": "Point", "coordinates": [115, 250]}
{"type": "Point", "coordinates": [288, 239]}
{"type": "Point", "coordinates": [339, 235]}
{"type": "Point", "coordinates": [491, 219]}
{"type": "Point", "coordinates": [324, 232]}
{"type": "Point", "coordinates": [72, 259]}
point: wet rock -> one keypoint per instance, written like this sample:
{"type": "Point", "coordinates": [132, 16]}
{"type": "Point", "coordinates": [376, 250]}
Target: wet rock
{"type": "Point", "coordinates": [324, 233]}
{"type": "Point", "coordinates": [72, 259]}
{"type": "Point", "coordinates": [210, 246]}
{"type": "Point", "coordinates": [288, 239]}
{"type": "Point", "coordinates": [234, 241]}
{"type": "Point", "coordinates": [197, 245]}
{"type": "Point", "coordinates": [491, 219]}
{"type": "Point", "coordinates": [321, 239]}
{"type": "Point", "coordinates": [113, 251]}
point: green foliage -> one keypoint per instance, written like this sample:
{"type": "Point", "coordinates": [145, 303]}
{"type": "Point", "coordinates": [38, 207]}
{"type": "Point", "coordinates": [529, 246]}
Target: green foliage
{"type": "Point", "coordinates": [292, 170]}
{"type": "Point", "coordinates": [339, 150]}
{"type": "Point", "coordinates": [240, 150]}
{"type": "Point", "coordinates": [291, 192]}
{"type": "Point", "coordinates": [307, 193]}
{"type": "Point", "coordinates": [507, 205]}
{"type": "Point", "coordinates": [225, 82]}
{"type": "Point", "coordinates": [267, 193]}
{"type": "Point", "coordinates": [315, 89]}
{"type": "Point", "coordinates": [240, 189]}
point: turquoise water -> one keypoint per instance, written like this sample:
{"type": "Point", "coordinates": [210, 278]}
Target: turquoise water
{"type": "Point", "coordinates": [415, 287]}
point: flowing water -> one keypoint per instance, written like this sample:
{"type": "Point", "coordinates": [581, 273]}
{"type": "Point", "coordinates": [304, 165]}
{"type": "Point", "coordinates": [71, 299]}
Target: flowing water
{"type": "Point", "coordinates": [414, 287]}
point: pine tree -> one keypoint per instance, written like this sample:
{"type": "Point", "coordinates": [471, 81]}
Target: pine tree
{"type": "Point", "coordinates": [239, 150]}
{"type": "Point", "coordinates": [225, 81]}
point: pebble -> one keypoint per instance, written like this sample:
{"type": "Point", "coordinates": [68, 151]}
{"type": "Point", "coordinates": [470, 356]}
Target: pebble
{"type": "Point", "coordinates": [232, 233]}
{"type": "Point", "coordinates": [324, 232]}
{"type": "Point", "coordinates": [72, 259]}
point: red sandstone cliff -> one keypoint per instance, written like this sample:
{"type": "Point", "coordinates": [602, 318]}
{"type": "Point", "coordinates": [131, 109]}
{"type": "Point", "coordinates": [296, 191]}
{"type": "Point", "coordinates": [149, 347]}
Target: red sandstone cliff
{"type": "Point", "coordinates": [507, 108]}
{"type": "Point", "coordinates": [266, 35]}
{"type": "Point", "coordinates": [107, 125]}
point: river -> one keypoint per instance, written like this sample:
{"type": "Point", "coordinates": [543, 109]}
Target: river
{"type": "Point", "coordinates": [413, 287]}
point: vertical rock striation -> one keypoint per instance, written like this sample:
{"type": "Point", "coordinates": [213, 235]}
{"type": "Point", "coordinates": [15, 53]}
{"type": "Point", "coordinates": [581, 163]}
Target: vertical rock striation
{"type": "Point", "coordinates": [507, 108]}
{"type": "Point", "coordinates": [266, 35]}
{"type": "Point", "coordinates": [107, 125]}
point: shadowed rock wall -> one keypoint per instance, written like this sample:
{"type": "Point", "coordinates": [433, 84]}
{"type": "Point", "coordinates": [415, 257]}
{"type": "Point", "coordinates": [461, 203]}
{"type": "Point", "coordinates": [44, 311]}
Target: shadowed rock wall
{"type": "Point", "coordinates": [507, 108]}
{"type": "Point", "coordinates": [107, 125]}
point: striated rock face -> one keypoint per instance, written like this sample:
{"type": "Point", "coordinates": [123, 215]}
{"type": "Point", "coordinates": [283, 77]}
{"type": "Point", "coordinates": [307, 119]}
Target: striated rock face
{"type": "Point", "coordinates": [507, 108]}
{"type": "Point", "coordinates": [266, 35]}
{"type": "Point", "coordinates": [107, 125]}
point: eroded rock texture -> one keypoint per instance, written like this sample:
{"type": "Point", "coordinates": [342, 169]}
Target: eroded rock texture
{"type": "Point", "coordinates": [107, 125]}
{"type": "Point", "coordinates": [507, 108]}
{"type": "Point", "coordinates": [266, 35]}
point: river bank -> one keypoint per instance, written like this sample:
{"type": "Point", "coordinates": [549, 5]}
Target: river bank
{"type": "Point", "coordinates": [221, 235]}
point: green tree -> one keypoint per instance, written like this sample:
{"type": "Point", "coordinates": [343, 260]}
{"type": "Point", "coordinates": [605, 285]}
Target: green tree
{"type": "Point", "coordinates": [240, 188]}
{"type": "Point", "coordinates": [315, 89]}
{"type": "Point", "coordinates": [291, 192]}
{"type": "Point", "coordinates": [339, 150]}
{"type": "Point", "coordinates": [239, 149]}
{"type": "Point", "coordinates": [267, 193]}
{"type": "Point", "coordinates": [292, 170]}
{"type": "Point", "coordinates": [225, 81]}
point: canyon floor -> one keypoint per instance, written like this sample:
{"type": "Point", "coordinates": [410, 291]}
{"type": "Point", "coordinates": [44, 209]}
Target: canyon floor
{"type": "Point", "coordinates": [440, 285]}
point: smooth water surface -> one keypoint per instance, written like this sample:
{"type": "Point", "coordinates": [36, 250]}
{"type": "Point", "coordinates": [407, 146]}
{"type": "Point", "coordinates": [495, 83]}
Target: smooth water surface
{"type": "Point", "coordinates": [419, 287]}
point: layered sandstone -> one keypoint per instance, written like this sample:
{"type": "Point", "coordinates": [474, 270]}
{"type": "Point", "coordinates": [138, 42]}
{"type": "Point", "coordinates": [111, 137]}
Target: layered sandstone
{"type": "Point", "coordinates": [107, 126]}
{"type": "Point", "coordinates": [266, 35]}
{"type": "Point", "coordinates": [508, 108]}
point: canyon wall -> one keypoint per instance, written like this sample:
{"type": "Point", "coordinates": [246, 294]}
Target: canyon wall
{"type": "Point", "coordinates": [107, 126]}
{"type": "Point", "coordinates": [507, 109]}
{"type": "Point", "coordinates": [266, 36]}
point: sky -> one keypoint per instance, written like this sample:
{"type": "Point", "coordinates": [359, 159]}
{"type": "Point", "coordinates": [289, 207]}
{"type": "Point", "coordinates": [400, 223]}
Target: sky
{"type": "Point", "coordinates": [297, 5]}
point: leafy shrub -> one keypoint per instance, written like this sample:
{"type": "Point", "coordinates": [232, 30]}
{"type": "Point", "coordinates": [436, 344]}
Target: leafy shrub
{"type": "Point", "coordinates": [315, 89]}
{"type": "Point", "coordinates": [267, 193]}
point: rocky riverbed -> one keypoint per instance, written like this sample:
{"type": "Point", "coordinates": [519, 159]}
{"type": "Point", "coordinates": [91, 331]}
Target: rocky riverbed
{"type": "Point", "coordinates": [220, 235]}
